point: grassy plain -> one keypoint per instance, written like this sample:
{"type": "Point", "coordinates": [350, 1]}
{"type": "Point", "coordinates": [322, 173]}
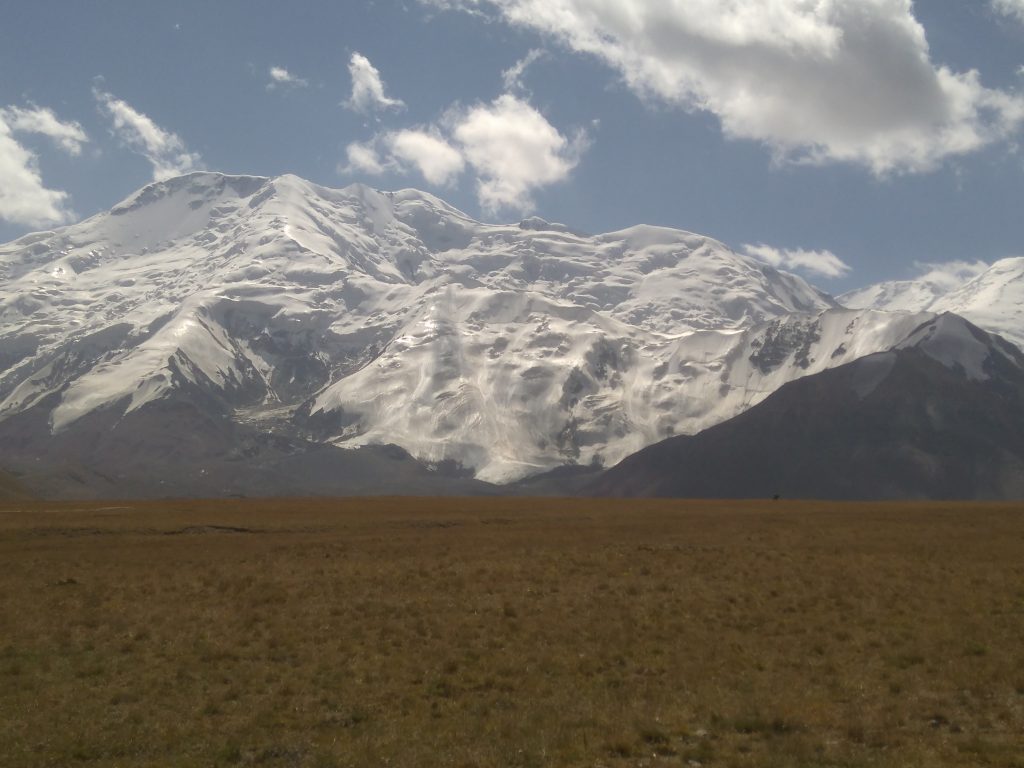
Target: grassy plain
{"type": "Point", "coordinates": [511, 632]}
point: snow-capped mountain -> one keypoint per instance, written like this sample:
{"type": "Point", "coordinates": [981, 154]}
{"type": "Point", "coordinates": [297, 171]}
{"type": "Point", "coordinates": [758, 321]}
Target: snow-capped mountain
{"type": "Point", "coordinates": [355, 318]}
{"type": "Point", "coordinates": [936, 417]}
{"type": "Point", "coordinates": [993, 299]}
{"type": "Point", "coordinates": [539, 384]}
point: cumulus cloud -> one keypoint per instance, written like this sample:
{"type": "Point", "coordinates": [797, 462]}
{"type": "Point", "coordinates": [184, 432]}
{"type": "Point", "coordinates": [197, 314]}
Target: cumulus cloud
{"type": "Point", "coordinates": [165, 151]}
{"type": "Point", "coordinates": [363, 158]}
{"type": "Point", "coordinates": [815, 80]}
{"type": "Point", "coordinates": [424, 150]}
{"type": "Point", "coordinates": [509, 146]}
{"type": "Point", "coordinates": [819, 263]}
{"type": "Point", "coordinates": [1014, 8]}
{"type": "Point", "coordinates": [367, 88]}
{"type": "Point", "coordinates": [437, 160]}
{"type": "Point", "coordinates": [24, 198]}
{"type": "Point", "coordinates": [282, 78]}
{"type": "Point", "coordinates": [514, 150]}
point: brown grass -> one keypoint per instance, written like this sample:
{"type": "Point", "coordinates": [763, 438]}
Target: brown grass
{"type": "Point", "coordinates": [404, 632]}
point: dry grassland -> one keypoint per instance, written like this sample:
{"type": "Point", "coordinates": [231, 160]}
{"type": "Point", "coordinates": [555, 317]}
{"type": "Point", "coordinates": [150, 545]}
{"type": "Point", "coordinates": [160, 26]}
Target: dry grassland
{"type": "Point", "coordinates": [505, 632]}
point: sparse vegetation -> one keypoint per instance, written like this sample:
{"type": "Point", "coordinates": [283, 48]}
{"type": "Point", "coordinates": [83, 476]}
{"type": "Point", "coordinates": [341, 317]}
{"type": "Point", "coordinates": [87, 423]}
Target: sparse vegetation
{"type": "Point", "coordinates": [503, 632]}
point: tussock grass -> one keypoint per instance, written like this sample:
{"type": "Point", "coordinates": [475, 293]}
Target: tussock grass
{"type": "Point", "coordinates": [511, 632]}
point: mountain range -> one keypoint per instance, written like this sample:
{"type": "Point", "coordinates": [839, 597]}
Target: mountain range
{"type": "Point", "coordinates": [216, 335]}
{"type": "Point", "coordinates": [993, 298]}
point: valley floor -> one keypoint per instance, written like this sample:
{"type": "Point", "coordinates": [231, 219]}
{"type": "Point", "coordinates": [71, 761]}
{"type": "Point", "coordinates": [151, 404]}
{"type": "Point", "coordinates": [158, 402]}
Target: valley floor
{"type": "Point", "coordinates": [511, 632]}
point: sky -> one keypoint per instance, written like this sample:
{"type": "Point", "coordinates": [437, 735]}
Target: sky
{"type": "Point", "coordinates": [851, 141]}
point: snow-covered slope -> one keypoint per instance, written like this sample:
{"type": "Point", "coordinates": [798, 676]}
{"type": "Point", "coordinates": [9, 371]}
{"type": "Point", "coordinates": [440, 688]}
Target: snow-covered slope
{"type": "Point", "coordinates": [937, 417]}
{"type": "Point", "coordinates": [993, 299]}
{"type": "Point", "coordinates": [358, 317]}
{"type": "Point", "coordinates": [512, 385]}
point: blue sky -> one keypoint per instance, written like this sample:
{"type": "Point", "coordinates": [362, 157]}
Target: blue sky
{"type": "Point", "coordinates": [851, 140]}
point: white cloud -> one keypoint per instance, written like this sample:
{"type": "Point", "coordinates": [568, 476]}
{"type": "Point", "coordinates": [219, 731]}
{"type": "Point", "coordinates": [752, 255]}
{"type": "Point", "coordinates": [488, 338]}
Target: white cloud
{"type": "Point", "coordinates": [437, 160]}
{"type": "Point", "coordinates": [514, 150]}
{"type": "Point", "coordinates": [281, 77]}
{"type": "Point", "coordinates": [820, 263]}
{"type": "Point", "coordinates": [363, 158]}
{"type": "Point", "coordinates": [424, 150]}
{"type": "Point", "coordinates": [815, 80]}
{"type": "Point", "coordinates": [1013, 8]}
{"type": "Point", "coordinates": [68, 136]}
{"type": "Point", "coordinates": [510, 147]}
{"type": "Point", "coordinates": [165, 151]}
{"type": "Point", "coordinates": [24, 199]}
{"type": "Point", "coordinates": [513, 76]}
{"type": "Point", "coordinates": [949, 275]}
{"type": "Point", "coordinates": [367, 88]}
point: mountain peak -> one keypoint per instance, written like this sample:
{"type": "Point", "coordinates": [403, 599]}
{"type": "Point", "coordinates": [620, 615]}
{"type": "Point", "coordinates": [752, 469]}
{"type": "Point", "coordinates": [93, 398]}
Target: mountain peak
{"type": "Point", "coordinates": [957, 343]}
{"type": "Point", "coordinates": [991, 297]}
{"type": "Point", "coordinates": [197, 184]}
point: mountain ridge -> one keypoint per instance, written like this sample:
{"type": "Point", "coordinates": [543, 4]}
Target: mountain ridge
{"type": "Point", "coordinates": [356, 318]}
{"type": "Point", "coordinates": [908, 423]}
{"type": "Point", "coordinates": [993, 297]}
